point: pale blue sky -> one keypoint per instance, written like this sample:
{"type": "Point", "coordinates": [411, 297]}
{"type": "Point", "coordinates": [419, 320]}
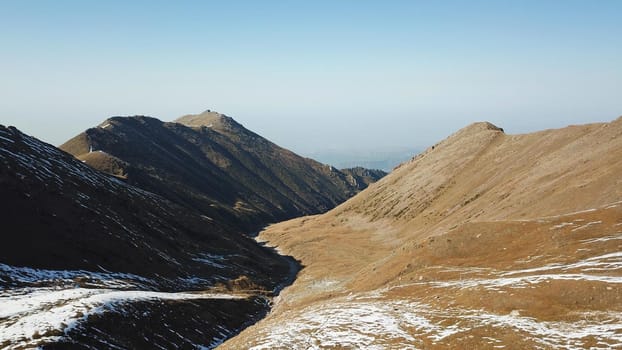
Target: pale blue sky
{"type": "Point", "coordinates": [312, 75]}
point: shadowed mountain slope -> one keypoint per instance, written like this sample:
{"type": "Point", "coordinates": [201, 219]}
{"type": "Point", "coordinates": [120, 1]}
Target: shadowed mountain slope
{"type": "Point", "coordinates": [80, 246]}
{"type": "Point", "coordinates": [485, 240]}
{"type": "Point", "coordinates": [362, 177]}
{"type": "Point", "coordinates": [58, 213]}
{"type": "Point", "coordinates": [212, 163]}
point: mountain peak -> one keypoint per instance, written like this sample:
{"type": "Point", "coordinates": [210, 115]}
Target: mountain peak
{"type": "Point", "coordinates": [476, 130]}
{"type": "Point", "coordinates": [210, 119]}
{"type": "Point", "coordinates": [482, 126]}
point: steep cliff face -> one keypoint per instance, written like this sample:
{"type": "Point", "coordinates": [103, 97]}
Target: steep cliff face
{"type": "Point", "coordinates": [483, 240]}
{"type": "Point", "coordinates": [210, 162]}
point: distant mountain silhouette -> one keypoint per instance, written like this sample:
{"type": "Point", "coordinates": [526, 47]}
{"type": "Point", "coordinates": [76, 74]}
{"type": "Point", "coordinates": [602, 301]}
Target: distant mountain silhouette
{"type": "Point", "coordinates": [366, 157]}
{"type": "Point", "coordinates": [212, 163]}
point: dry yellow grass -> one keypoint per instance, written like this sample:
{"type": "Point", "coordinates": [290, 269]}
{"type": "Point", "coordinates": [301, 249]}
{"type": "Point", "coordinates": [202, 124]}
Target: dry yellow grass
{"type": "Point", "coordinates": [485, 240]}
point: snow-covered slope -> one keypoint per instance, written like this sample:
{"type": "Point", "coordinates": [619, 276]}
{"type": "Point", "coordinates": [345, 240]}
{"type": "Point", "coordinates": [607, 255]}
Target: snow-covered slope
{"type": "Point", "coordinates": [34, 316]}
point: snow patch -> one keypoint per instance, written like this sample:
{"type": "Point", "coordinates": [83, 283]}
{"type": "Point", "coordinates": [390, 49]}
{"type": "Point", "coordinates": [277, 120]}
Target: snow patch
{"type": "Point", "coordinates": [591, 223]}
{"type": "Point", "coordinates": [369, 323]}
{"type": "Point", "coordinates": [29, 317]}
{"type": "Point", "coordinates": [563, 224]}
{"type": "Point", "coordinates": [6, 139]}
{"type": "Point", "coordinates": [13, 275]}
{"type": "Point", "coordinates": [213, 260]}
{"type": "Point", "coordinates": [603, 239]}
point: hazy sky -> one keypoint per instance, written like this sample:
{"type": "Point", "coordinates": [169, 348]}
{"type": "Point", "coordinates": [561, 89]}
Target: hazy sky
{"type": "Point", "coordinates": [312, 75]}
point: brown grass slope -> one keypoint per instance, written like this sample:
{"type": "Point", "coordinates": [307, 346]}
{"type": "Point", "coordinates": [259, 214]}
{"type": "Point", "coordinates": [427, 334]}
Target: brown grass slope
{"type": "Point", "coordinates": [485, 240]}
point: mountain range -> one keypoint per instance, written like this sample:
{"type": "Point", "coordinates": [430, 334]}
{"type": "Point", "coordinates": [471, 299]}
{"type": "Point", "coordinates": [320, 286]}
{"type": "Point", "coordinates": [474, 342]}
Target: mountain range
{"type": "Point", "coordinates": [140, 233]}
{"type": "Point", "coordinates": [149, 218]}
{"type": "Point", "coordinates": [215, 165]}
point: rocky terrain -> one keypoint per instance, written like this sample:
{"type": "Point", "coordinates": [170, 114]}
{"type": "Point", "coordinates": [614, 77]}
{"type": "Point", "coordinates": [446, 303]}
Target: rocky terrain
{"type": "Point", "coordinates": [212, 163]}
{"type": "Point", "coordinates": [484, 241]}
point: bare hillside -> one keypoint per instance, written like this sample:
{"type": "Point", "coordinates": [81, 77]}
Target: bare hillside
{"type": "Point", "coordinates": [215, 165]}
{"type": "Point", "coordinates": [485, 240]}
